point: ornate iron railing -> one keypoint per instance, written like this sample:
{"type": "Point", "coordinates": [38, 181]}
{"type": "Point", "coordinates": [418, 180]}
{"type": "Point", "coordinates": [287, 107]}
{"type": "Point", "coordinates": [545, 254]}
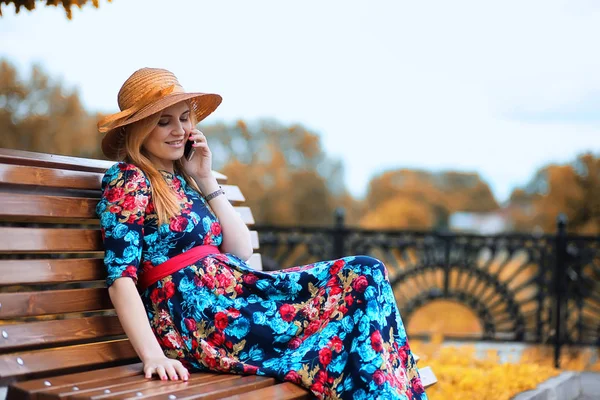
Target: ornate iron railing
{"type": "Point", "coordinates": [538, 289]}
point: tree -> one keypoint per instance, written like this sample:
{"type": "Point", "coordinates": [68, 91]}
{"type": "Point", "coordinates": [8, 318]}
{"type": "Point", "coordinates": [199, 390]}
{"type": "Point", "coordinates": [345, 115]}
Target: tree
{"type": "Point", "coordinates": [283, 170]}
{"type": "Point", "coordinates": [572, 189]}
{"type": "Point", "coordinates": [37, 114]}
{"type": "Point", "coordinates": [29, 5]}
{"type": "Point", "coordinates": [417, 199]}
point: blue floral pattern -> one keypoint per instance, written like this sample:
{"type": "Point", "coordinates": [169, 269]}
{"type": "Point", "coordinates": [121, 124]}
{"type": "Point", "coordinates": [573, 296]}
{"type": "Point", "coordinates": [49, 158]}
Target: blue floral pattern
{"type": "Point", "coordinates": [332, 327]}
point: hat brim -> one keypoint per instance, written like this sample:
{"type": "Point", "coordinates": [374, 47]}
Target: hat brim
{"type": "Point", "coordinates": [202, 105]}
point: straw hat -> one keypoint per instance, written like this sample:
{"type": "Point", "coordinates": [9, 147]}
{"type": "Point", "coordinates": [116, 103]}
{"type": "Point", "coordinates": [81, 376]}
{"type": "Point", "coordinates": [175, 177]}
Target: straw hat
{"type": "Point", "coordinates": [146, 92]}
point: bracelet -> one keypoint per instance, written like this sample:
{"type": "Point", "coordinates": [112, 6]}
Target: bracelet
{"type": "Point", "coordinates": [214, 194]}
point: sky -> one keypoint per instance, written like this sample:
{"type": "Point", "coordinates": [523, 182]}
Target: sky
{"type": "Point", "coordinates": [498, 88]}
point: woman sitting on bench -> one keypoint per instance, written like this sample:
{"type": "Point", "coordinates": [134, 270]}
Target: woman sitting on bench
{"type": "Point", "coordinates": [190, 302]}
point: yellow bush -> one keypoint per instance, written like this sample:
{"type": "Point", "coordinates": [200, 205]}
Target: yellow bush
{"type": "Point", "coordinates": [462, 375]}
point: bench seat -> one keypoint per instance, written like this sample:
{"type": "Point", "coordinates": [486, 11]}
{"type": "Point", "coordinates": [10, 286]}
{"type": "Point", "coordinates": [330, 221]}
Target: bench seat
{"type": "Point", "coordinates": [59, 334]}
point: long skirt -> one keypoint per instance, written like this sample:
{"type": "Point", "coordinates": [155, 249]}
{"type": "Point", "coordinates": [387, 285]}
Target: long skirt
{"type": "Point", "coordinates": [332, 327]}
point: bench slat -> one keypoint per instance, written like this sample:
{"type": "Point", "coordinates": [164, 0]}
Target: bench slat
{"type": "Point", "coordinates": [151, 388]}
{"type": "Point", "coordinates": [217, 390]}
{"type": "Point", "coordinates": [30, 158]}
{"type": "Point", "coordinates": [246, 215]}
{"type": "Point", "coordinates": [61, 358]}
{"type": "Point", "coordinates": [30, 206]}
{"type": "Point", "coordinates": [49, 177]}
{"type": "Point", "coordinates": [58, 332]}
{"type": "Point", "coordinates": [79, 378]}
{"type": "Point", "coordinates": [27, 240]}
{"type": "Point", "coordinates": [66, 270]}
{"type": "Point", "coordinates": [27, 205]}
{"type": "Point", "coordinates": [51, 270]}
{"type": "Point", "coordinates": [42, 240]}
{"type": "Point", "coordinates": [428, 378]}
{"type": "Point", "coordinates": [282, 391]}
{"type": "Point", "coordinates": [255, 262]}
{"type": "Point", "coordinates": [27, 304]}
{"type": "Point", "coordinates": [234, 194]}
{"type": "Point", "coordinates": [85, 389]}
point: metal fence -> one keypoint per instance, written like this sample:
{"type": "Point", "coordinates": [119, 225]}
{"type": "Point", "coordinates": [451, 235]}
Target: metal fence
{"type": "Point", "coordinates": [526, 288]}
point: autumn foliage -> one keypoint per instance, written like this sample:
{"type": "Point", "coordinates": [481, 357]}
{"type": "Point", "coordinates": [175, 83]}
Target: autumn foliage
{"type": "Point", "coordinates": [29, 5]}
{"type": "Point", "coordinates": [289, 179]}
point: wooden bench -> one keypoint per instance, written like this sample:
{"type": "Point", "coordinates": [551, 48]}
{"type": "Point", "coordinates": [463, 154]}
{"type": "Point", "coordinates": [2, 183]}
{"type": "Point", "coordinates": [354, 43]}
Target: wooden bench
{"type": "Point", "coordinates": [59, 334]}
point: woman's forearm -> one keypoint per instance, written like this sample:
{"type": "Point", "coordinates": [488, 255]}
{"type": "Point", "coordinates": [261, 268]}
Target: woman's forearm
{"type": "Point", "coordinates": [132, 315]}
{"type": "Point", "coordinates": [236, 236]}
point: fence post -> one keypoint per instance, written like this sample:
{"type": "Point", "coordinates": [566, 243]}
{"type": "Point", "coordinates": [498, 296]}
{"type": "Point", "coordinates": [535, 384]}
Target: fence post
{"type": "Point", "coordinates": [339, 233]}
{"type": "Point", "coordinates": [559, 285]}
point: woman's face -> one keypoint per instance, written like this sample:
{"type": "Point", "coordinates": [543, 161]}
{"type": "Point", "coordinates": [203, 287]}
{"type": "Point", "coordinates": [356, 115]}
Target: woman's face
{"type": "Point", "coordinates": [166, 142]}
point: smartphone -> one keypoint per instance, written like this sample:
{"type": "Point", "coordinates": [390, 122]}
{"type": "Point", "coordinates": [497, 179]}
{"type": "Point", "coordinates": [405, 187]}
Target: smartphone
{"type": "Point", "coordinates": [189, 150]}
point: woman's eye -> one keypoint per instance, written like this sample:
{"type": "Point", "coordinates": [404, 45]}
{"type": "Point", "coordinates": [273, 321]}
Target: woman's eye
{"type": "Point", "coordinates": [163, 123]}
{"type": "Point", "coordinates": [183, 119]}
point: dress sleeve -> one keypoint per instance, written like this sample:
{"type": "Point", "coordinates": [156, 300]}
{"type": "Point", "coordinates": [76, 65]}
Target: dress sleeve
{"type": "Point", "coordinates": [122, 209]}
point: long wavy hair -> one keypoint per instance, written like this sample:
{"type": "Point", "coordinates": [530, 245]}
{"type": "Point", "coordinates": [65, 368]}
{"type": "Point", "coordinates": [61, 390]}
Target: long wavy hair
{"type": "Point", "coordinates": [163, 196]}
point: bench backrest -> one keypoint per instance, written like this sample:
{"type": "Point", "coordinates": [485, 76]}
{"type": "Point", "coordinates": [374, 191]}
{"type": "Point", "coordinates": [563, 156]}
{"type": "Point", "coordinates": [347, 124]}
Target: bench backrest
{"type": "Point", "coordinates": [55, 312]}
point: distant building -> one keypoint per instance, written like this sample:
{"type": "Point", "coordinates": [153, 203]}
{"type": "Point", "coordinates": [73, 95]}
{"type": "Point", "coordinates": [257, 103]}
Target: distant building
{"type": "Point", "coordinates": [485, 223]}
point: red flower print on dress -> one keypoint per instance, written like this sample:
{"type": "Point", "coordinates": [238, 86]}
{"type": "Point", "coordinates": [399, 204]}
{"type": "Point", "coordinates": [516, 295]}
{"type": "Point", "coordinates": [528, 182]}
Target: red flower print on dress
{"type": "Point", "coordinates": [325, 356]}
{"type": "Point", "coordinates": [190, 324]}
{"type": "Point", "coordinates": [288, 312]}
{"type": "Point", "coordinates": [208, 281]}
{"type": "Point", "coordinates": [129, 203]}
{"type": "Point", "coordinates": [221, 321]}
{"type": "Point", "coordinates": [312, 327]}
{"type": "Point", "coordinates": [250, 369]}
{"type": "Point", "coordinates": [294, 343]}
{"type": "Point", "coordinates": [216, 339]}
{"type": "Point", "coordinates": [403, 354]}
{"type": "Point", "coordinates": [376, 341]}
{"type": "Point", "coordinates": [349, 299]}
{"type": "Point", "coordinates": [224, 280]}
{"type": "Point", "coordinates": [150, 208]}
{"type": "Point", "coordinates": [360, 284]}
{"type": "Point", "coordinates": [321, 376]}
{"type": "Point", "coordinates": [250, 279]}
{"type": "Point", "coordinates": [233, 312]}
{"type": "Point", "coordinates": [141, 201]}
{"type": "Point", "coordinates": [335, 290]}
{"type": "Point", "coordinates": [169, 289]}
{"type": "Point", "coordinates": [178, 224]}
{"type": "Point", "coordinates": [130, 271]}
{"type": "Point", "coordinates": [336, 267]}
{"type": "Point", "coordinates": [417, 385]}
{"type": "Point", "coordinates": [336, 344]}
{"type": "Point", "coordinates": [379, 377]}
{"type": "Point", "coordinates": [115, 194]}
{"type": "Point", "coordinates": [215, 228]}
{"type": "Point", "coordinates": [157, 295]}
{"type": "Point", "coordinates": [293, 377]}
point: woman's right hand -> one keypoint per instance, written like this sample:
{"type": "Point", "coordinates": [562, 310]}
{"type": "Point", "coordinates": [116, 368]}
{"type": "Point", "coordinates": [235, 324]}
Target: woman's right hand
{"type": "Point", "coordinates": [165, 368]}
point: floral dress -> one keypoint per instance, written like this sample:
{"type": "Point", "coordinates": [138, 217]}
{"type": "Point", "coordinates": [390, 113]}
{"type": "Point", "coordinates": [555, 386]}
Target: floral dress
{"type": "Point", "coordinates": [332, 327]}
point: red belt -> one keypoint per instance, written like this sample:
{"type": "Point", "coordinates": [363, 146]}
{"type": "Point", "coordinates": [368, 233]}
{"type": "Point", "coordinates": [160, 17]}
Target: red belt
{"type": "Point", "coordinates": [174, 264]}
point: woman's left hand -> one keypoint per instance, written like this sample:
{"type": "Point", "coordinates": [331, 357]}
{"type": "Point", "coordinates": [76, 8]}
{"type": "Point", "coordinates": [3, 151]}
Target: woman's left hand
{"type": "Point", "coordinates": [200, 166]}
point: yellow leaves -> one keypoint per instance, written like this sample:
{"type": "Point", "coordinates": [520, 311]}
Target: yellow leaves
{"type": "Point", "coordinates": [446, 316]}
{"type": "Point", "coordinates": [399, 212]}
{"type": "Point", "coordinates": [461, 375]}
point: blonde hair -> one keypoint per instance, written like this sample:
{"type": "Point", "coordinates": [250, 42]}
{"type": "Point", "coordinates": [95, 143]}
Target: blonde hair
{"type": "Point", "coordinates": [163, 196]}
